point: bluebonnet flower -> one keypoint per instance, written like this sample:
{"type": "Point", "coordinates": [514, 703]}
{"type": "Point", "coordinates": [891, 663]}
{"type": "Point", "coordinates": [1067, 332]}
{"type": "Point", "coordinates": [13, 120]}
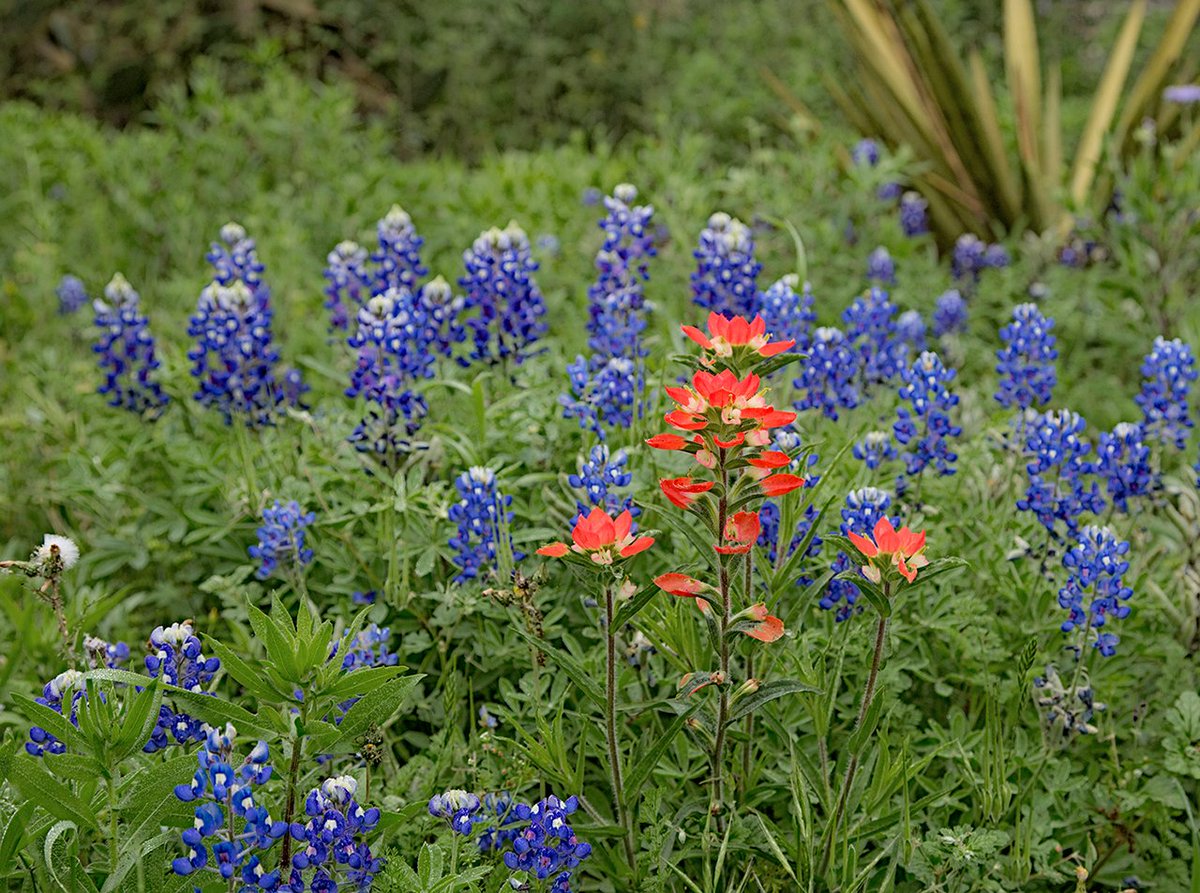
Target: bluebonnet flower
{"type": "Point", "coordinates": [1167, 375]}
{"type": "Point", "coordinates": [599, 480]}
{"type": "Point", "coordinates": [591, 196]}
{"type": "Point", "coordinates": [789, 317]}
{"type": "Point", "coordinates": [461, 810]}
{"type": "Point", "coordinates": [393, 351]}
{"type": "Point", "coordinates": [972, 256]}
{"type": "Point", "coordinates": [829, 378]}
{"type": "Point", "coordinates": [1066, 711]}
{"type": "Point", "coordinates": [872, 331]}
{"type": "Point", "coordinates": [398, 260]}
{"type": "Point", "coordinates": [1096, 564]}
{"type": "Point", "coordinates": [726, 274]}
{"type": "Point", "coordinates": [364, 598]}
{"type": "Point", "coordinates": [606, 389]}
{"type": "Point", "coordinates": [1057, 468]}
{"type": "Point", "coordinates": [501, 290]}
{"type": "Point", "coordinates": [549, 243]}
{"type": "Point", "coordinates": [482, 515]}
{"type": "Point", "coordinates": [1183, 94]}
{"type": "Point", "coordinates": [66, 686]}
{"type": "Point", "coordinates": [101, 653]}
{"type": "Point", "coordinates": [880, 267]}
{"type": "Point", "coordinates": [604, 393]}
{"type": "Point", "coordinates": [889, 191]}
{"type": "Point", "coordinates": [874, 449]}
{"type": "Point", "coordinates": [348, 277]}
{"type": "Point", "coordinates": [281, 539]}
{"type": "Point", "coordinates": [1123, 461]}
{"type": "Point", "coordinates": [1026, 362]}
{"type": "Point", "coordinates": [333, 839]}
{"type": "Point", "coordinates": [925, 427]}
{"type": "Point", "coordinates": [863, 509]}
{"type": "Point", "coordinates": [126, 350]}
{"type": "Point", "coordinates": [234, 258]}
{"type": "Point", "coordinates": [865, 153]}
{"type": "Point", "coordinates": [545, 847]}
{"type": "Point", "coordinates": [949, 313]}
{"type": "Point", "coordinates": [234, 357]}
{"type": "Point", "coordinates": [787, 440]}
{"type": "Point", "coordinates": [910, 327]}
{"type": "Point", "coordinates": [176, 656]}
{"type": "Point", "coordinates": [914, 214]}
{"type": "Point", "coordinates": [72, 294]}
{"type": "Point", "coordinates": [370, 649]}
{"type": "Point", "coordinates": [230, 830]}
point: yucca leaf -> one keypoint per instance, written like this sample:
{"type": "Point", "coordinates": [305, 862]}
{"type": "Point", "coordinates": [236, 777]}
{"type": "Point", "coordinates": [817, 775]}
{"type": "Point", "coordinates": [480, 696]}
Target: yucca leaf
{"type": "Point", "coordinates": [1148, 87]}
{"type": "Point", "coordinates": [1104, 104]}
{"type": "Point", "coordinates": [1008, 184]}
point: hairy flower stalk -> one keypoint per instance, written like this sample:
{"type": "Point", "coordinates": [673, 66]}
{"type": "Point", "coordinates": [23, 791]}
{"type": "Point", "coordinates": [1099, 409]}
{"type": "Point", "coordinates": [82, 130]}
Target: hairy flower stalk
{"type": "Point", "coordinates": [49, 561]}
{"type": "Point", "coordinates": [599, 544]}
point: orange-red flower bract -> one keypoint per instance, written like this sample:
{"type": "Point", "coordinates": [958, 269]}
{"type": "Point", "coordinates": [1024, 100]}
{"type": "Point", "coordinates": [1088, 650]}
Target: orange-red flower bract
{"type": "Point", "coordinates": [682, 492]}
{"type": "Point", "coordinates": [667, 442]}
{"type": "Point", "coordinates": [778, 484]}
{"type": "Point", "coordinates": [681, 585]}
{"type": "Point", "coordinates": [741, 532]}
{"type": "Point", "coordinates": [903, 549]}
{"type": "Point", "coordinates": [727, 333]}
{"type": "Point", "coordinates": [601, 538]}
{"type": "Point", "coordinates": [768, 629]}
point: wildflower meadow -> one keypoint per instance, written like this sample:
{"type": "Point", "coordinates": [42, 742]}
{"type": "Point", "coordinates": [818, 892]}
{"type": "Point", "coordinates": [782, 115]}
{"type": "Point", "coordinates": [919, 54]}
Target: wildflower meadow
{"type": "Point", "coordinates": [610, 516]}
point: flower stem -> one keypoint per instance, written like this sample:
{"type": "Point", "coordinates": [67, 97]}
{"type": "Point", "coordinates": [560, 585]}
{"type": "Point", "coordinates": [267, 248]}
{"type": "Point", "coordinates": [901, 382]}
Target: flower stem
{"type": "Point", "coordinates": [289, 810]}
{"type": "Point", "coordinates": [748, 746]}
{"type": "Point", "coordinates": [718, 752]}
{"type": "Point", "coordinates": [864, 706]}
{"type": "Point", "coordinates": [112, 824]}
{"type": "Point", "coordinates": [610, 728]}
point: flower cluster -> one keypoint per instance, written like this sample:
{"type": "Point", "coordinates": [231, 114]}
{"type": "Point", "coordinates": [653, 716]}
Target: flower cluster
{"type": "Point", "coordinates": [726, 276]}
{"type": "Point", "coordinates": [332, 839]}
{"type": "Point", "coordinates": [176, 656]}
{"type": "Point", "coordinates": [393, 352]}
{"type": "Point", "coordinates": [66, 686]}
{"type": "Point", "coordinates": [398, 258]}
{"type": "Point", "coordinates": [599, 479]}
{"type": "Point", "coordinates": [887, 550]}
{"type": "Point", "coordinates": [925, 425]}
{"type": "Point", "coordinates": [865, 153]}
{"type": "Point", "coordinates": [1026, 362]}
{"type": "Point", "coordinates": [864, 509]}
{"type": "Point", "coordinates": [281, 539]}
{"type": "Point", "coordinates": [72, 294]}
{"type": "Point", "coordinates": [1067, 711]}
{"type": "Point", "coordinates": [949, 313]}
{"type": "Point", "coordinates": [872, 331]}
{"type": "Point", "coordinates": [234, 258]}
{"type": "Point", "coordinates": [1095, 564]}
{"type": "Point", "coordinates": [348, 277]}
{"type": "Point", "coordinates": [501, 290]}
{"type": "Point", "coordinates": [126, 351]}
{"type": "Point", "coordinates": [1057, 468]}
{"type": "Point", "coordinates": [370, 648]}
{"type": "Point", "coordinates": [972, 256]}
{"type": "Point", "coordinates": [874, 449]}
{"type": "Point", "coordinates": [910, 328]}
{"type": "Point", "coordinates": [914, 214]}
{"type": "Point", "coordinates": [829, 378]}
{"type": "Point", "coordinates": [1123, 461]}
{"type": "Point", "coordinates": [1167, 375]}
{"type": "Point", "coordinates": [482, 515]}
{"type": "Point", "coordinates": [600, 539]}
{"type": "Point", "coordinates": [880, 267]}
{"type": "Point", "coordinates": [225, 799]}
{"type": "Point", "coordinates": [788, 316]}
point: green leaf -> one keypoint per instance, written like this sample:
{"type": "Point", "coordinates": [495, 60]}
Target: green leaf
{"type": "Point", "coordinates": [874, 594]}
{"type": "Point", "coordinates": [217, 711]}
{"type": "Point", "coordinates": [374, 709]}
{"type": "Point", "coordinates": [50, 720]}
{"type": "Point", "coordinates": [631, 608]}
{"type": "Point", "coordinates": [14, 832]}
{"type": "Point", "coordinates": [361, 682]}
{"type": "Point", "coordinates": [870, 722]}
{"type": "Point", "coordinates": [773, 845]}
{"type": "Point", "coordinates": [147, 800]}
{"type": "Point", "coordinates": [139, 721]}
{"type": "Point", "coordinates": [648, 761]}
{"type": "Point", "coordinates": [36, 784]}
{"type": "Point", "coordinates": [133, 849]}
{"type": "Point", "coordinates": [279, 649]}
{"type": "Point", "coordinates": [253, 680]}
{"type": "Point", "coordinates": [768, 691]}
{"type": "Point", "coordinates": [570, 665]}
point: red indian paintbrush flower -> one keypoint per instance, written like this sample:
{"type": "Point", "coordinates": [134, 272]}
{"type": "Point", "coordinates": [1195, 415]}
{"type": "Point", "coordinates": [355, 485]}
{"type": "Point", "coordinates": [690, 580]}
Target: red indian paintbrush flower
{"type": "Point", "coordinates": [778, 484]}
{"type": "Point", "coordinates": [741, 532]}
{"type": "Point", "coordinates": [601, 538]}
{"type": "Point", "coordinates": [681, 585]}
{"type": "Point", "coordinates": [682, 492]}
{"type": "Point", "coordinates": [725, 334]}
{"type": "Point", "coordinates": [767, 628]}
{"type": "Point", "coordinates": [903, 549]}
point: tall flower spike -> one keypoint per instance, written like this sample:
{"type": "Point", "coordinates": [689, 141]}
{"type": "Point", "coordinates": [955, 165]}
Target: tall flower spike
{"type": "Point", "coordinates": [482, 514]}
{"type": "Point", "coordinates": [281, 539]}
{"type": "Point", "coordinates": [949, 314]}
{"type": "Point", "coordinates": [788, 316]}
{"type": "Point", "coordinates": [873, 333]}
{"type": "Point", "coordinates": [1026, 362]}
{"type": "Point", "coordinates": [175, 655]}
{"type": "Point", "coordinates": [972, 256]}
{"type": "Point", "coordinates": [880, 267]}
{"type": "Point", "coordinates": [874, 449]}
{"type": "Point", "coordinates": [829, 378]}
{"type": "Point", "coordinates": [126, 352]}
{"type": "Point", "coordinates": [72, 295]}
{"type": "Point", "coordinates": [1167, 376]}
{"type": "Point", "coordinates": [1096, 564]}
{"type": "Point", "coordinates": [924, 425]}
{"type": "Point", "coordinates": [1123, 461]}
{"type": "Point", "coordinates": [914, 217]}
{"type": "Point", "coordinates": [234, 258]}
{"type": "Point", "coordinates": [398, 260]}
{"type": "Point", "coordinates": [888, 549]}
{"type": "Point", "coordinates": [600, 478]}
{"type": "Point", "coordinates": [1057, 468]}
{"type": "Point", "coordinates": [910, 327]}
{"type": "Point", "coordinates": [349, 282]}
{"type": "Point", "coordinates": [501, 291]}
{"type": "Point", "coordinates": [726, 276]}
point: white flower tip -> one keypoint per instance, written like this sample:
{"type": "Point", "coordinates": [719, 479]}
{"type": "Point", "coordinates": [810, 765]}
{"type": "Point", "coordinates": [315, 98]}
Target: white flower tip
{"type": "Point", "coordinates": [68, 552]}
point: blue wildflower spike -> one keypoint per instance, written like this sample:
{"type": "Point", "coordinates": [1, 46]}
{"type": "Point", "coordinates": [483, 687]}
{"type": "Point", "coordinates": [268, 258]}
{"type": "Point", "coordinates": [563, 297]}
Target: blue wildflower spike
{"type": "Point", "coordinates": [726, 273]}
{"type": "Point", "coordinates": [127, 352]}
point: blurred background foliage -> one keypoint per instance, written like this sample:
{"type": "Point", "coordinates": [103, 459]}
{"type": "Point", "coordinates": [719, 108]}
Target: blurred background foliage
{"type": "Point", "coordinates": [470, 76]}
